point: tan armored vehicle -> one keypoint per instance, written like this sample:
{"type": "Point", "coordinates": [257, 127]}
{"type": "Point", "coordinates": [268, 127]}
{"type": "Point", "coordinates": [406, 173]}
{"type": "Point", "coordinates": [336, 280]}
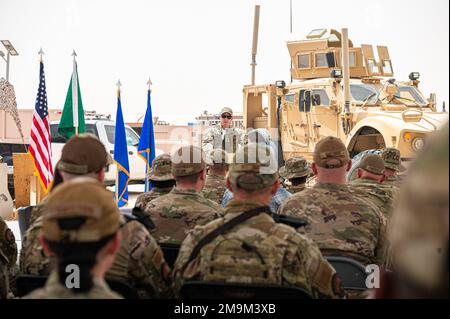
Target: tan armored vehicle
{"type": "Point", "coordinates": [341, 90]}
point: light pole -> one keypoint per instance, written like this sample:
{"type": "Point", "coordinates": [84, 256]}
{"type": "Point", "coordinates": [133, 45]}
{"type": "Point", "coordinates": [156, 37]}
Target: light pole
{"type": "Point", "coordinates": [11, 51]}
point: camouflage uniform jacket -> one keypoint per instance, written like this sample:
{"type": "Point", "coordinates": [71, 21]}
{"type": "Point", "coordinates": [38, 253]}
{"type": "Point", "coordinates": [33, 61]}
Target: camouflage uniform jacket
{"type": "Point", "coordinates": [147, 197]}
{"type": "Point", "coordinates": [139, 260]}
{"type": "Point", "coordinates": [54, 290]}
{"type": "Point", "coordinates": [340, 222]}
{"type": "Point", "coordinates": [381, 195]}
{"type": "Point", "coordinates": [392, 180]}
{"type": "Point", "coordinates": [8, 257]}
{"type": "Point", "coordinates": [290, 259]}
{"type": "Point", "coordinates": [179, 211]}
{"type": "Point", "coordinates": [295, 189]}
{"type": "Point", "coordinates": [8, 246]}
{"type": "Point", "coordinates": [214, 188]}
{"type": "Point", "coordinates": [219, 138]}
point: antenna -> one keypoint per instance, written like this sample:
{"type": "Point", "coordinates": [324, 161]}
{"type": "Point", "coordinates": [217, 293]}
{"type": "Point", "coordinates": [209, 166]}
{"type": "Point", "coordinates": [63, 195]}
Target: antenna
{"type": "Point", "coordinates": [255, 41]}
{"type": "Point", "coordinates": [290, 16]}
{"type": "Point", "coordinates": [290, 30]}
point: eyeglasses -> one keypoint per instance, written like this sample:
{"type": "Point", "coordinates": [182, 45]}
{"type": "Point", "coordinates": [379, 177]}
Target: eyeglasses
{"type": "Point", "coordinates": [227, 117]}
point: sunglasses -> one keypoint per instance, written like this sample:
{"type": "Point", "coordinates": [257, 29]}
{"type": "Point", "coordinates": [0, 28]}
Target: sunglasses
{"type": "Point", "coordinates": [227, 117]}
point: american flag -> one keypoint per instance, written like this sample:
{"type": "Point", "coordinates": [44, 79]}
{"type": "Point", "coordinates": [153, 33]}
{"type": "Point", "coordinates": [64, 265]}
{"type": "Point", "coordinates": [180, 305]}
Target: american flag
{"type": "Point", "coordinates": [40, 139]}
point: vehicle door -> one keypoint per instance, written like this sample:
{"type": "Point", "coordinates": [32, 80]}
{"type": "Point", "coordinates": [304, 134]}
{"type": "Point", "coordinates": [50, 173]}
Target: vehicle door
{"type": "Point", "coordinates": [324, 118]}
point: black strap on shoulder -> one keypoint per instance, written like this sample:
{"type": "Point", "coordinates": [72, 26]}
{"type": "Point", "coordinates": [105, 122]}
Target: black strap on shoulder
{"type": "Point", "coordinates": [224, 228]}
{"type": "Point", "coordinates": [143, 218]}
{"type": "Point", "coordinates": [138, 215]}
{"type": "Point", "coordinates": [290, 221]}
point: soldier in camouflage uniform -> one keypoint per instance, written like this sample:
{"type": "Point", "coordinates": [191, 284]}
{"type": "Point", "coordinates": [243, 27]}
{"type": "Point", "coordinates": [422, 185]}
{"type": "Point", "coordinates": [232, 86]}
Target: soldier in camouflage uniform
{"type": "Point", "coordinates": [161, 180]}
{"type": "Point", "coordinates": [419, 226]}
{"type": "Point", "coordinates": [184, 207]}
{"type": "Point", "coordinates": [255, 249]}
{"type": "Point", "coordinates": [8, 256]}
{"type": "Point", "coordinates": [216, 185]}
{"type": "Point", "coordinates": [223, 136]}
{"type": "Point", "coordinates": [340, 222]}
{"type": "Point", "coordinates": [393, 165]}
{"type": "Point", "coordinates": [369, 184]}
{"type": "Point", "coordinates": [81, 226]}
{"type": "Point", "coordinates": [139, 260]}
{"type": "Point", "coordinates": [296, 170]}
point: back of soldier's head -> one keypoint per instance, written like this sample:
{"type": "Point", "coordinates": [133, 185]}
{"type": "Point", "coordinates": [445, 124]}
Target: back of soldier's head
{"type": "Point", "coordinates": [80, 218]}
{"type": "Point", "coordinates": [254, 168]}
{"type": "Point", "coordinates": [188, 162]}
{"type": "Point", "coordinates": [82, 155]}
{"type": "Point", "coordinates": [419, 227]}
{"type": "Point", "coordinates": [372, 164]}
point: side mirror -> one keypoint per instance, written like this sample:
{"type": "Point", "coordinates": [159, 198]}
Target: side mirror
{"type": "Point", "coordinates": [316, 99]}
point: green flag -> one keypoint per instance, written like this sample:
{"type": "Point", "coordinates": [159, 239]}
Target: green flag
{"type": "Point", "coordinates": [73, 114]}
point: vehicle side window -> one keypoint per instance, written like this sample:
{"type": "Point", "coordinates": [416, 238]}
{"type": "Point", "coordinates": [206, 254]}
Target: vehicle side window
{"type": "Point", "coordinates": [57, 138]}
{"type": "Point", "coordinates": [289, 98]}
{"type": "Point", "coordinates": [110, 131]}
{"type": "Point", "coordinates": [301, 101]}
{"type": "Point", "coordinates": [303, 61]}
{"type": "Point", "coordinates": [324, 99]}
{"type": "Point", "coordinates": [131, 137]}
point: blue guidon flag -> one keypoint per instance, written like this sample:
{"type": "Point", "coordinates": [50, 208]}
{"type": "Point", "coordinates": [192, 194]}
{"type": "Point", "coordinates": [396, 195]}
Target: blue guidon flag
{"type": "Point", "coordinates": [146, 147]}
{"type": "Point", "coordinates": [121, 156]}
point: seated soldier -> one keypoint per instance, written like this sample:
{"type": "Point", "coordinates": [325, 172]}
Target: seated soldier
{"type": "Point", "coordinates": [249, 246]}
{"type": "Point", "coordinates": [296, 170]}
{"type": "Point", "coordinates": [139, 261]}
{"type": "Point", "coordinates": [370, 184]}
{"type": "Point", "coordinates": [340, 222]}
{"type": "Point", "coordinates": [184, 207]}
{"type": "Point", "coordinates": [81, 229]}
{"type": "Point", "coordinates": [161, 180]}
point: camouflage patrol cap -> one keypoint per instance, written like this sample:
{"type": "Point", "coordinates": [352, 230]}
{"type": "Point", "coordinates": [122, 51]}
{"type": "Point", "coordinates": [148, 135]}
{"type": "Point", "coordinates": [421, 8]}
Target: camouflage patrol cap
{"type": "Point", "coordinates": [419, 227]}
{"type": "Point", "coordinates": [330, 152]}
{"type": "Point", "coordinates": [226, 110]}
{"type": "Point", "coordinates": [295, 167]}
{"type": "Point", "coordinates": [188, 160]}
{"type": "Point", "coordinates": [84, 199]}
{"type": "Point", "coordinates": [83, 154]}
{"type": "Point", "coordinates": [373, 163]}
{"type": "Point", "coordinates": [161, 169]}
{"type": "Point", "coordinates": [254, 167]}
{"type": "Point", "coordinates": [392, 159]}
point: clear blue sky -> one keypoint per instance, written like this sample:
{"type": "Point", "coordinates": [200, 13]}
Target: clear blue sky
{"type": "Point", "coordinates": [198, 52]}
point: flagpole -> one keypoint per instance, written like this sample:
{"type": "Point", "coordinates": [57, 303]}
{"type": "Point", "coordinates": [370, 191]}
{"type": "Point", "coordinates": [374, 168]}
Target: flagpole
{"type": "Point", "coordinates": [117, 169]}
{"type": "Point", "coordinates": [75, 93]}
{"type": "Point", "coordinates": [147, 183]}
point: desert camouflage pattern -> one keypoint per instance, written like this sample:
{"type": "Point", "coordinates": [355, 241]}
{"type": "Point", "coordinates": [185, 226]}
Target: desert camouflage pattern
{"type": "Point", "coordinates": [179, 211]}
{"type": "Point", "coordinates": [340, 222]}
{"type": "Point", "coordinates": [419, 226]}
{"type": "Point", "coordinates": [215, 187]}
{"type": "Point", "coordinates": [141, 263]}
{"type": "Point", "coordinates": [295, 167]}
{"type": "Point", "coordinates": [54, 290]}
{"type": "Point", "coordinates": [382, 196]}
{"type": "Point", "coordinates": [295, 189]}
{"type": "Point", "coordinates": [256, 251]}
{"type": "Point", "coordinates": [8, 245]}
{"type": "Point", "coordinates": [139, 260]}
{"type": "Point", "coordinates": [228, 139]}
{"type": "Point", "coordinates": [147, 197]}
{"type": "Point", "coordinates": [393, 181]}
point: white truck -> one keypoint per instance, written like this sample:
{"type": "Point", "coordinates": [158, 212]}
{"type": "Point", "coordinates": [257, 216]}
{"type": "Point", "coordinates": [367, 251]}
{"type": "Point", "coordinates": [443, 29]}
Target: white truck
{"type": "Point", "coordinates": [100, 126]}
